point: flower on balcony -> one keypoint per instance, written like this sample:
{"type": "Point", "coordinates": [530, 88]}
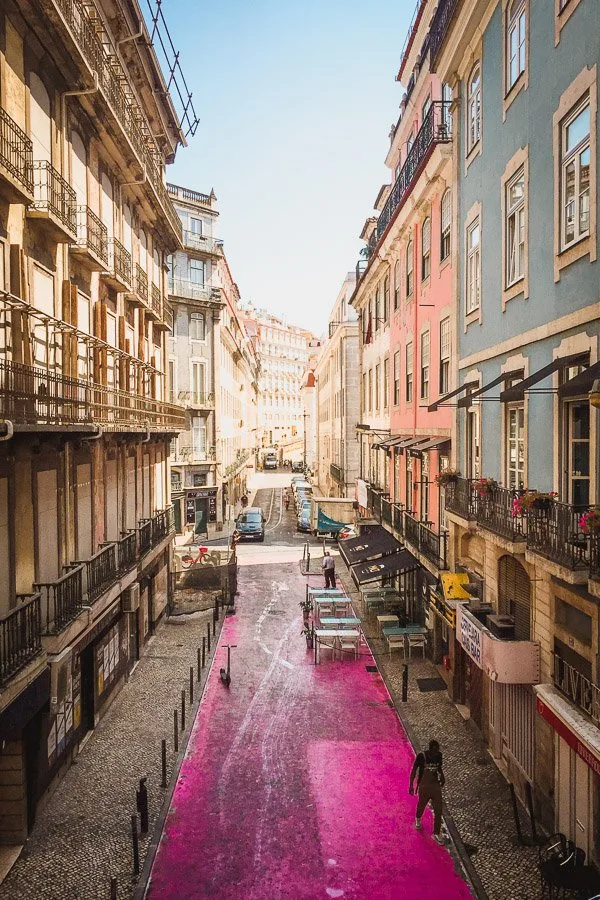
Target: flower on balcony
{"type": "Point", "coordinates": [448, 476]}
{"type": "Point", "coordinates": [484, 487]}
{"type": "Point", "coordinates": [589, 521]}
{"type": "Point", "coordinates": [531, 500]}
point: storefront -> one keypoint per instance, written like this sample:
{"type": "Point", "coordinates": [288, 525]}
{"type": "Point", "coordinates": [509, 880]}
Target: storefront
{"type": "Point", "coordinates": [200, 509]}
{"type": "Point", "coordinates": [441, 621]}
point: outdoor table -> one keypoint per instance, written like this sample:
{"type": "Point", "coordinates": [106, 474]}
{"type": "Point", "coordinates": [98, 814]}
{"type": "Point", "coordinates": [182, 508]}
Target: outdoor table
{"type": "Point", "coordinates": [325, 592]}
{"type": "Point", "coordinates": [381, 592]}
{"type": "Point", "coordinates": [397, 631]}
{"type": "Point", "coordinates": [387, 621]}
{"type": "Point", "coordinates": [340, 621]}
{"type": "Point", "coordinates": [332, 634]}
{"type": "Point", "coordinates": [332, 601]}
{"type": "Point", "coordinates": [568, 877]}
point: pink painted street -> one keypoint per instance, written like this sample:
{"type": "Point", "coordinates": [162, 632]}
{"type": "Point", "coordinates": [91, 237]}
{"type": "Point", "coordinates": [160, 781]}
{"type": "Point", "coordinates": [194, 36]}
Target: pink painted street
{"type": "Point", "coordinates": [295, 781]}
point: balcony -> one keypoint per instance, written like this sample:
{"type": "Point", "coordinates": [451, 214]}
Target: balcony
{"type": "Point", "coordinates": [577, 688]}
{"type": "Point", "coordinates": [32, 397]}
{"type": "Point", "coordinates": [439, 27]}
{"type": "Point", "coordinates": [167, 318]}
{"type": "Point", "coordinates": [553, 531]}
{"type": "Point", "coordinates": [139, 296]}
{"type": "Point", "coordinates": [119, 271]}
{"type": "Point", "coordinates": [20, 637]}
{"type": "Point", "coordinates": [61, 600]}
{"type": "Point", "coordinates": [387, 511]}
{"type": "Point", "coordinates": [155, 304]}
{"type": "Point", "coordinates": [151, 532]}
{"type": "Point", "coordinates": [144, 536]}
{"type": "Point", "coordinates": [54, 201]}
{"type": "Point", "coordinates": [461, 499]}
{"type": "Point", "coordinates": [92, 239]}
{"type": "Point", "coordinates": [182, 193]}
{"type": "Point", "coordinates": [595, 557]}
{"type": "Point", "coordinates": [337, 473]}
{"type": "Point", "coordinates": [429, 543]}
{"type": "Point", "coordinates": [196, 399]}
{"type": "Point", "coordinates": [192, 290]}
{"type": "Point", "coordinates": [101, 571]}
{"type": "Point", "coordinates": [436, 129]}
{"type": "Point", "coordinates": [16, 161]}
{"type": "Point", "coordinates": [398, 518]}
{"type": "Point", "coordinates": [201, 243]}
{"type": "Point", "coordinates": [127, 551]}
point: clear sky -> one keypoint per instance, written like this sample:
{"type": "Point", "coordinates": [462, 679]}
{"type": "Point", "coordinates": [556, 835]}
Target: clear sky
{"type": "Point", "coordinates": [296, 99]}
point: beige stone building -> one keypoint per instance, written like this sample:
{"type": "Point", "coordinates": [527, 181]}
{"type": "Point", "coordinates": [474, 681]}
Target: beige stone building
{"type": "Point", "coordinates": [86, 224]}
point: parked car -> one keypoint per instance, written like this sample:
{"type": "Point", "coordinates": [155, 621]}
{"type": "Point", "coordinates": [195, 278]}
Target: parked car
{"type": "Point", "coordinates": [304, 517]}
{"type": "Point", "coordinates": [302, 494]}
{"type": "Point", "coordinates": [296, 479]}
{"type": "Point", "coordinates": [297, 466]}
{"type": "Point", "coordinates": [270, 462]}
{"type": "Point", "coordinates": [348, 531]}
{"type": "Point", "coordinates": [251, 524]}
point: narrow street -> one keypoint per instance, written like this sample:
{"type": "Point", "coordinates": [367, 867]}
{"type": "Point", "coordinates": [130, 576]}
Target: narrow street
{"type": "Point", "coordinates": [295, 782]}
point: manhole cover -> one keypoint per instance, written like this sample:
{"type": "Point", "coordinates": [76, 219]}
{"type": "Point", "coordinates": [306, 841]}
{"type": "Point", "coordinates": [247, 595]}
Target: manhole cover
{"type": "Point", "coordinates": [371, 668]}
{"type": "Point", "coordinates": [431, 684]}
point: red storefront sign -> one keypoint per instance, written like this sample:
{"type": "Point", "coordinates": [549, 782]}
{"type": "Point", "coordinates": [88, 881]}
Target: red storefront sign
{"type": "Point", "coordinates": [567, 735]}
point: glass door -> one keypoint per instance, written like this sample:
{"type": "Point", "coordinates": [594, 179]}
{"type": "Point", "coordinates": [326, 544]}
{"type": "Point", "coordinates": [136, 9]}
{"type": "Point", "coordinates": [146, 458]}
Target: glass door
{"type": "Point", "coordinates": [577, 470]}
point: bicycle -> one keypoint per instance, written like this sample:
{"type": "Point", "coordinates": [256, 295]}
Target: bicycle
{"type": "Point", "coordinates": [204, 558]}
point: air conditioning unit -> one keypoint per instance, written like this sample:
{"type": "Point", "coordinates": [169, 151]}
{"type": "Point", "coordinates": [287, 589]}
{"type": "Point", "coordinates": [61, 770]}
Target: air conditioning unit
{"type": "Point", "coordinates": [130, 598]}
{"type": "Point", "coordinates": [60, 677]}
{"type": "Point", "coordinates": [502, 627]}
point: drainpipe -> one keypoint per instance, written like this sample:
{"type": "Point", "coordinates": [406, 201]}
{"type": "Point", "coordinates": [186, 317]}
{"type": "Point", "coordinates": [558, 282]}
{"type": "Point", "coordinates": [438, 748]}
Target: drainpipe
{"type": "Point", "coordinates": [10, 430]}
{"type": "Point", "coordinates": [95, 437]}
{"type": "Point", "coordinates": [147, 438]}
{"type": "Point", "coordinates": [131, 37]}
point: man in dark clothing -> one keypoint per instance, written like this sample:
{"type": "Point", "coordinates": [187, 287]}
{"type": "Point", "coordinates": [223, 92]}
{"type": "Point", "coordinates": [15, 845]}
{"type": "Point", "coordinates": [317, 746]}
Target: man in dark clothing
{"type": "Point", "coordinates": [430, 781]}
{"type": "Point", "coordinates": [329, 570]}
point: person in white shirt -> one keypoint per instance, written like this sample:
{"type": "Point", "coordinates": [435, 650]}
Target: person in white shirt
{"type": "Point", "coordinates": [328, 566]}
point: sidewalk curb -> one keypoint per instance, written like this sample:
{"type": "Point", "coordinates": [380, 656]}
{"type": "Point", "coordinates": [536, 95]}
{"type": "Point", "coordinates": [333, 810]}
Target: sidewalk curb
{"type": "Point", "coordinates": [143, 881]}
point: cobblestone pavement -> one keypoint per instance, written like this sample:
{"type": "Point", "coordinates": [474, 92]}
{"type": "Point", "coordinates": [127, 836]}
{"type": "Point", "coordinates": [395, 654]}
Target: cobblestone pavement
{"type": "Point", "coordinates": [83, 835]}
{"type": "Point", "coordinates": [477, 795]}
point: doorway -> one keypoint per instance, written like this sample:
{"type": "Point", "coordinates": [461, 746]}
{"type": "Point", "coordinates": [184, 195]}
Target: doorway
{"type": "Point", "coordinates": [87, 688]}
{"type": "Point", "coordinates": [201, 516]}
{"type": "Point", "coordinates": [134, 638]}
{"type": "Point", "coordinates": [32, 743]}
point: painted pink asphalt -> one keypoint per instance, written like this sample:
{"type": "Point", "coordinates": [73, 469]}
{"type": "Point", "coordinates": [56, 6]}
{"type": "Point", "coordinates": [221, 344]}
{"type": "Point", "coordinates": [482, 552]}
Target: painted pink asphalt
{"type": "Point", "coordinates": [295, 780]}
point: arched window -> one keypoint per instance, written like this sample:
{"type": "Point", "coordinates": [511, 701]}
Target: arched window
{"type": "Point", "coordinates": [40, 119]}
{"type": "Point", "coordinates": [516, 37]}
{"type": "Point", "coordinates": [474, 108]}
{"type": "Point", "coordinates": [144, 251]}
{"type": "Point", "coordinates": [107, 205]}
{"type": "Point", "coordinates": [409, 269]}
{"type": "Point", "coordinates": [426, 249]}
{"type": "Point", "coordinates": [397, 284]}
{"type": "Point", "coordinates": [445, 223]}
{"type": "Point", "coordinates": [127, 228]}
{"type": "Point", "coordinates": [79, 168]}
{"type": "Point", "coordinates": [156, 272]}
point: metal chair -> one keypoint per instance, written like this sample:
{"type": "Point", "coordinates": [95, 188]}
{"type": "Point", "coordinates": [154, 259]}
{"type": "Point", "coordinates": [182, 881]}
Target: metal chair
{"type": "Point", "coordinates": [415, 641]}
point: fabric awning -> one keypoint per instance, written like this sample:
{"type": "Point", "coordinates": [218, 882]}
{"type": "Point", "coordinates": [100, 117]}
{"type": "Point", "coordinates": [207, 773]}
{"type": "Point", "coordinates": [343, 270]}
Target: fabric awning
{"type": "Point", "coordinates": [411, 442]}
{"type": "Point", "coordinates": [463, 387]}
{"type": "Point", "coordinates": [504, 376]}
{"type": "Point", "coordinates": [384, 445]}
{"type": "Point", "coordinates": [376, 542]}
{"type": "Point", "coordinates": [403, 561]}
{"type": "Point", "coordinates": [582, 383]}
{"type": "Point", "coordinates": [432, 443]}
{"type": "Point", "coordinates": [517, 391]}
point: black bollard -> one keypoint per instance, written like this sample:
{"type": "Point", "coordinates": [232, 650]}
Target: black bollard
{"type": "Point", "coordinates": [191, 685]}
{"type": "Point", "coordinates": [531, 813]}
{"type": "Point", "coordinates": [175, 731]}
{"type": "Point", "coordinates": [208, 636]}
{"type": "Point", "coordinates": [405, 683]}
{"type": "Point", "coordinates": [163, 751]}
{"type": "Point", "coordinates": [203, 652]}
{"type": "Point", "coordinates": [198, 661]}
{"type": "Point", "coordinates": [141, 802]}
{"type": "Point", "coordinates": [515, 807]}
{"type": "Point", "coordinates": [113, 888]}
{"type": "Point", "coordinates": [216, 609]}
{"type": "Point", "coordinates": [136, 848]}
{"type": "Point", "coordinates": [214, 625]}
{"type": "Point", "coordinates": [183, 710]}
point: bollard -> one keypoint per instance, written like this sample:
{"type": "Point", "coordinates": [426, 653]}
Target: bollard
{"type": "Point", "coordinates": [405, 683]}
{"type": "Point", "coordinates": [183, 710]}
{"type": "Point", "coordinates": [208, 635]}
{"type": "Point", "coordinates": [216, 609]}
{"type": "Point", "coordinates": [191, 685]}
{"type": "Point", "coordinates": [531, 813]}
{"type": "Point", "coordinates": [203, 652]}
{"type": "Point", "coordinates": [113, 888]}
{"type": "Point", "coordinates": [214, 626]}
{"type": "Point", "coordinates": [136, 848]}
{"type": "Point", "coordinates": [175, 732]}
{"type": "Point", "coordinates": [198, 659]}
{"type": "Point", "coordinates": [141, 802]}
{"type": "Point", "coordinates": [163, 751]}
{"type": "Point", "coordinates": [515, 808]}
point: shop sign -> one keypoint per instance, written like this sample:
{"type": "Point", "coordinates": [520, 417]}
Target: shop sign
{"type": "Point", "coordinates": [470, 635]}
{"type": "Point", "coordinates": [361, 493]}
{"type": "Point", "coordinates": [581, 749]}
{"type": "Point", "coordinates": [202, 494]}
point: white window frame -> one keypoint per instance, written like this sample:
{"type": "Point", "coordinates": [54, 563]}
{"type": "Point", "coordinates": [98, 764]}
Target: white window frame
{"type": "Point", "coordinates": [474, 108]}
{"type": "Point", "coordinates": [573, 157]}
{"type": "Point", "coordinates": [515, 231]}
{"type": "Point", "coordinates": [409, 386]}
{"type": "Point", "coordinates": [515, 447]}
{"type": "Point", "coordinates": [516, 27]}
{"type": "Point", "coordinates": [425, 364]}
{"type": "Point", "coordinates": [410, 283]}
{"type": "Point", "coordinates": [397, 277]}
{"type": "Point", "coordinates": [473, 273]}
{"type": "Point", "coordinates": [396, 378]}
{"type": "Point", "coordinates": [446, 225]}
{"type": "Point", "coordinates": [444, 356]}
{"type": "Point", "coordinates": [426, 249]}
{"type": "Point", "coordinates": [196, 317]}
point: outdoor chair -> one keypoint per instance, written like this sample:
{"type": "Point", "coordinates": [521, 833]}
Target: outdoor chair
{"type": "Point", "coordinates": [329, 643]}
{"type": "Point", "coordinates": [349, 645]}
{"type": "Point", "coordinates": [416, 641]}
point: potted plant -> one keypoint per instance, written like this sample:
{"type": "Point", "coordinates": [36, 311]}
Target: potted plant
{"type": "Point", "coordinates": [589, 521]}
{"type": "Point", "coordinates": [306, 607]}
{"type": "Point", "coordinates": [309, 633]}
{"type": "Point", "coordinates": [448, 476]}
{"type": "Point", "coordinates": [485, 487]}
{"type": "Point", "coordinates": [533, 501]}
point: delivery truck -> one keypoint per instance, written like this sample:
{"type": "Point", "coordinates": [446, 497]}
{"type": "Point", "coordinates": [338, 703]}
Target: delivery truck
{"type": "Point", "coordinates": [330, 513]}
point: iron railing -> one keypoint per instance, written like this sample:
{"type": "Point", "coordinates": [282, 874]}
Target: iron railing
{"type": "Point", "coordinates": [144, 533]}
{"type": "Point", "coordinates": [182, 193]}
{"type": "Point", "coordinates": [436, 129]}
{"type": "Point", "coordinates": [386, 510]}
{"type": "Point", "coordinates": [141, 283]}
{"type": "Point", "coordinates": [162, 525]}
{"type": "Point", "coordinates": [61, 600]}
{"type": "Point", "coordinates": [191, 290]}
{"type": "Point", "coordinates": [92, 234]}
{"type": "Point", "coordinates": [20, 636]}
{"type": "Point", "coordinates": [460, 498]}
{"type": "Point", "coordinates": [167, 316]}
{"type": "Point", "coordinates": [127, 551]}
{"type": "Point", "coordinates": [411, 530]}
{"type": "Point", "coordinates": [34, 396]}
{"type": "Point", "coordinates": [579, 689]}
{"type": "Point", "coordinates": [119, 261]}
{"type": "Point", "coordinates": [202, 243]}
{"type": "Point", "coordinates": [398, 518]}
{"type": "Point", "coordinates": [595, 556]}
{"type": "Point", "coordinates": [495, 512]}
{"type": "Point", "coordinates": [432, 544]}
{"type": "Point", "coordinates": [439, 27]}
{"type": "Point", "coordinates": [336, 472]}
{"type": "Point", "coordinates": [16, 152]}
{"type": "Point", "coordinates": [553, 531]}
{"type": "Point", "coordinates": [101, 571]}
{"type": "Point", "coordinates": [155, 301]}
{"type": "Point", "coordinates": [52, 194]}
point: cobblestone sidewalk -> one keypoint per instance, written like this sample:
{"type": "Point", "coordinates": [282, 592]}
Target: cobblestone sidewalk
{"type": "Point", "coordinates": [83, 835]}
{"type": "Point", "coordinates": [477, 795]}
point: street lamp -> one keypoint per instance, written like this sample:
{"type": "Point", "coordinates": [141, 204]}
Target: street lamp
{"type": "Point", "coordinates": [304, 416]}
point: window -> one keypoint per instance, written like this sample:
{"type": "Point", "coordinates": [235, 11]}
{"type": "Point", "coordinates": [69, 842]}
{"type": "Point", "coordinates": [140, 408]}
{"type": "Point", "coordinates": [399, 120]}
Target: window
{"type": "Point", "coordinates": [377, 386]}
{"type": "Point", "coordinates": [386, 298]}
{"type": "Point", "coordinates": [197, 327]}
{"type": "Point", "coordinates": [409, 270]}
{"type": "Point", "coordinates": [473, 267]}
{"type": "Point", "coordinates": [196, 226]}
{"type": "Point", "coordinates": [515, 228]}
{"type": "Point", "coordinates": [397, 284]}
{"type": "Point", "coordinates": [575, 175]}
{"type": "Point", "coordinates": [444, 356]}
{"type": "Point", "coordinates": [446, 118]}
{"type": "Point", "coordinates": [386, 382]}
{"type": "Point", "coordinates": [425, 358]}
{"type": "Point", "coordinates": [198, 438]}
{"type": "Point", "coordinates": [370, 390]}
{"type": "Point", "coordinates": [377, 313]}
{"type": "Point", "coordinates": [364, 391]}
{"type": "Point", "coordinates": [515, 42]}
{"type": "Point", "coordinates": [474, 108]}
{"type": "Point", "coordinates": [515, 450]}
{"type": "Point", "coordinates": [197, 382]}
{"type": "Point", "coordinates": [197, 271]}
{"type": "Point", "coordinates": [409, 143]}
{"type": "Point", "coordinates": [578, 452]}
{"type": "Point", "coordinates": [426, 250]}
{"type": "Point", "coordinates": [409, 372]}
{"type": "Point", "coordinates": [446, 221]}
{"type": "Point", "coordinates": [472, 442]}
{"type": "Point", "coordinates": [425, 109]}
{"type": "Point", "coordinates": [396, 378]}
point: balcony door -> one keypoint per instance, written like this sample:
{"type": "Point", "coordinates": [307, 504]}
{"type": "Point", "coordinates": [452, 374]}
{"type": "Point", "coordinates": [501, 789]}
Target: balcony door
{"type": "Point", "coordinates": [79, 168]}
{"type": "Point", "coordinates": [198, 438]}
{"type": "Point", "coordinates": [83, 514]}
{"type": "Point", "coordinates": [5, 586]}
{"type": "Point", "coordinates": [146, 500]}
{"type": "Point", "coordinates": [198, 382]}
{"type": "Point", "coordinates": [515, 449]}
{"type": "Point", "coordinates": [197, 271]}
{"type": "Point", "coordinates": [40, 120]}
{"type": "Point", "coordinates": [112, 500]}
{"type": "Point", "coordinates": [107, 206]}
{"type": "Point", "coordinates": [577, 452]}
{"type": "Point", "coordinates": [46, 508]}
{"type": "Point", "coordinates": [130, 510]}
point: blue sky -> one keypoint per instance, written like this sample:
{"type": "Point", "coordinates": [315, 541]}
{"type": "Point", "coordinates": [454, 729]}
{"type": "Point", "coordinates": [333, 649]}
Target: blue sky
{"type": "Point", "coordinates": [295, 100]}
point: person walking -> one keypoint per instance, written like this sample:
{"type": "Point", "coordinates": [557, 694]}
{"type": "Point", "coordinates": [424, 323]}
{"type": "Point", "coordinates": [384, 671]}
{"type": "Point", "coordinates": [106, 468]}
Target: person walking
{"type": "Point", "coordinates": [430, 781]}
{"type": "Point", "coordinates": [328, 566]}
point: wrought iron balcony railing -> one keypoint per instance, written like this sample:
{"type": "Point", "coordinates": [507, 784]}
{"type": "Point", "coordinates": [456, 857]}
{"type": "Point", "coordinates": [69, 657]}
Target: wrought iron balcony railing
{"type": "Point", "coordinates": [34, 396]}
{"type": "Point", "coordinates": [336, 472]}
{"type": "Point", "coordinates": [436, 129]}
{"type": "Point", "coordinates": [16, 153]}
{"type": "Point", "coordinates": [144, 532]}
{"type": "Point", "coordinates": [411, 529]}
{"type": "Point", "coordinates": [92, 235]}
{"type": "Point", "coordinates": [595, 556]}
{"type": "Point", "coordinates": [127, 551]}
{"type": "Point", "coordinates": [53, 196]}
{"type": "Point", "coordinates": [155, 301]}
{"type": "Point", "coordinates": [460, 498]}
{"type": "Point", "coordinates": [554, 531]}
{"type": "Point", "coordinates": [398, 518]}
{"type": "Point", "coordinates": [140, 284]}
{"type": "Point", "coordinates": [439, 27]}
{"type": "Point", "coordinates": [577, 688]}
{"type": "Point", "coordinates": [431, 544]}
{"type": "Point", "coordinates": [101, 571]}
{"type": "Point", "coordinates": [387, 511]}
{"type": "Point", "coordinates": [192, 290]}
{"type": "Point", "coordinates": [61, 600]}
{"type": "Point", "coordinates": [119, 262]}
{"type": "Point", "coordinates": [20, 636]}
{"type": "Point", "coordinates": [167, 316]}
{"type": "Point", "coordinates": [196, 399]}
{"type": "Point", "coordinates": [202, 243]}
{"type": "Point", "coordinates": [152, 531]}
{"type": "Point", "coordinates": [495, 512]}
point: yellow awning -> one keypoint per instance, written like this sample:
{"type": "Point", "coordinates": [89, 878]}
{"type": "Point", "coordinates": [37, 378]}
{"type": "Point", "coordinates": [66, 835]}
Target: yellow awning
{"type": "Point", "coordinates": [452, 585]}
